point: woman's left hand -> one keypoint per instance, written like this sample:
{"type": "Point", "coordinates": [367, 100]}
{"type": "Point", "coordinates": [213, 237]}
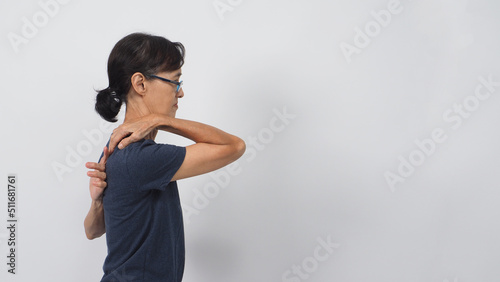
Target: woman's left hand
{"type": "Point", "coordinates": [98, 176]}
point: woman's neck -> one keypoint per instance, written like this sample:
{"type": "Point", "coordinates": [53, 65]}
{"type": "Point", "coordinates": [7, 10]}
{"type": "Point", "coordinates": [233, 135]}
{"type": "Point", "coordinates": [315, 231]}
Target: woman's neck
{"type": "Point", "coordinates": [135, 113]}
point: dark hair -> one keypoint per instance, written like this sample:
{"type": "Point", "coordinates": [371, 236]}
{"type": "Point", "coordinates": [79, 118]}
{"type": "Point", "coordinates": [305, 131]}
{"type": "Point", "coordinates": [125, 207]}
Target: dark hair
{"type": "Point", "coordinates": [136, 52]}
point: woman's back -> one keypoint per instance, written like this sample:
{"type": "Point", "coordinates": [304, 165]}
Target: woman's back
{"type": "Point", "coordinates": [143, 216]}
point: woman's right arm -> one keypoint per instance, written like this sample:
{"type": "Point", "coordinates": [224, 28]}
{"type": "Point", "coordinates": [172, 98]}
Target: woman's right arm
{"type": "Point", "coordinates": [212, 150]}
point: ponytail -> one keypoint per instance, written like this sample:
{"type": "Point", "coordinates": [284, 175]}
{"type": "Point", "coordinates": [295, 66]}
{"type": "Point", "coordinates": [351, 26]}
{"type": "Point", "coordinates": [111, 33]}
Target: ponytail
{"type": "Point", "coordinates": [108, 104]}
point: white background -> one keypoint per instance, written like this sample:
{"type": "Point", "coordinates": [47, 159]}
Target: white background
{"type": "Point", "coordinates": [319, 177]}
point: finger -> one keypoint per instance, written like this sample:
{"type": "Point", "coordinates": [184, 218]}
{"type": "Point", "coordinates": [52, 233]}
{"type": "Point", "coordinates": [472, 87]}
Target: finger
{"type": "Point", "coordinates": [127, 141]}
{"type": "Point", "coordinates": [93, 165]}
{"type": "Point", "coordinates": [102, 184]}
{"type": "Point", "coordinates": [106, 152]}
{"type": "Point", "coordinates": [96, 166]}
{"type": "Point", "coordinates": [113, 141]}
{"type": "Point", "coordinates": [124, 143]}
{"type": "Point", "coordinates": [116, 137]}
{"type": "Point", "coordinates": [98, 183]}
{"type": "Point", "coordinates": [134, 137]}
{"type": "Point", "coordinates": [105, 155]}
{"type": "Point", "coordinates": [97, 174]}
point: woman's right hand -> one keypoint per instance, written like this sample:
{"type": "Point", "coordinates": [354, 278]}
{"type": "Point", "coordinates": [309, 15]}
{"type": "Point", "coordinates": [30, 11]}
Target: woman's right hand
{"type": "Point", "coordinates": [133, 131]}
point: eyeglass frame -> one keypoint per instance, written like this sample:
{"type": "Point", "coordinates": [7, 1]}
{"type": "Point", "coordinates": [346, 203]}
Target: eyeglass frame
{"type": "Point", "coordinates": [178, 83]}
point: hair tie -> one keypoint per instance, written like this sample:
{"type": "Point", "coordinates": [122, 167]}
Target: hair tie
{"type": "Point", "coordinates": [115, 96]}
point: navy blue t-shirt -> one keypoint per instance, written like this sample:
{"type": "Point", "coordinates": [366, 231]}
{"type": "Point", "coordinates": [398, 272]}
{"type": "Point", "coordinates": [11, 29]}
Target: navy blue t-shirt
{"type": "Point", "coordinates": [142, 213]}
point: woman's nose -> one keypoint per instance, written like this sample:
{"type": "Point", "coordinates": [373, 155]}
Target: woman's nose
{"type": "Point", "coordinates": [180, 94]}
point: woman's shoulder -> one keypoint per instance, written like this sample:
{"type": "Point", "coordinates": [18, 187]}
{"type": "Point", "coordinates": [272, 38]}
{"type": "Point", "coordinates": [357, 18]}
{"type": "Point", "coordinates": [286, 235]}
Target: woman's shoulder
{"type": "Point", "coordinates": [149, 147]}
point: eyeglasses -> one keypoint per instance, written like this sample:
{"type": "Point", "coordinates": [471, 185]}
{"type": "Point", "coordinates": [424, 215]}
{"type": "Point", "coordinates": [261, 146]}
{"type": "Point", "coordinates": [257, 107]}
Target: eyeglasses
{"type": "Point", "coordinates": [178, 83]}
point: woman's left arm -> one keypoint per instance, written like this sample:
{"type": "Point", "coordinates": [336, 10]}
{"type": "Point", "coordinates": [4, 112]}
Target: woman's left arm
{"type": "Point", "coordinates": [94, 221]}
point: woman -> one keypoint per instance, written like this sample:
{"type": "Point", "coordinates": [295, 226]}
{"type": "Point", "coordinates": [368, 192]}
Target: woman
{"type": "Point", "coordinates": [134, 193]}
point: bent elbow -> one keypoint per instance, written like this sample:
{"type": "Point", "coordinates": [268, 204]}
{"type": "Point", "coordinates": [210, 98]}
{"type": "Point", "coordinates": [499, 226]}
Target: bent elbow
{"type": "Point", "coordinates": [92, 236]}
{"type": "Point", "coordinates": [240, 148]}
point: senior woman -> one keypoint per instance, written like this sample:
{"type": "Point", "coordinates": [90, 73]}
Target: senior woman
{"type": "Point", "coordinates": [133, 187]}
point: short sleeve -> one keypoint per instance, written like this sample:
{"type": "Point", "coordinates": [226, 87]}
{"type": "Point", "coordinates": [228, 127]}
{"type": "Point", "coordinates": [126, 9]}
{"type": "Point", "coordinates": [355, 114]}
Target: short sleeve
{"type": "Point", "coordinates": [153, 165]}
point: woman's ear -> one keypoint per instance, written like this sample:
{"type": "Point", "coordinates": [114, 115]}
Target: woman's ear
{"type": "Point", "coordinates": [138, 81]}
